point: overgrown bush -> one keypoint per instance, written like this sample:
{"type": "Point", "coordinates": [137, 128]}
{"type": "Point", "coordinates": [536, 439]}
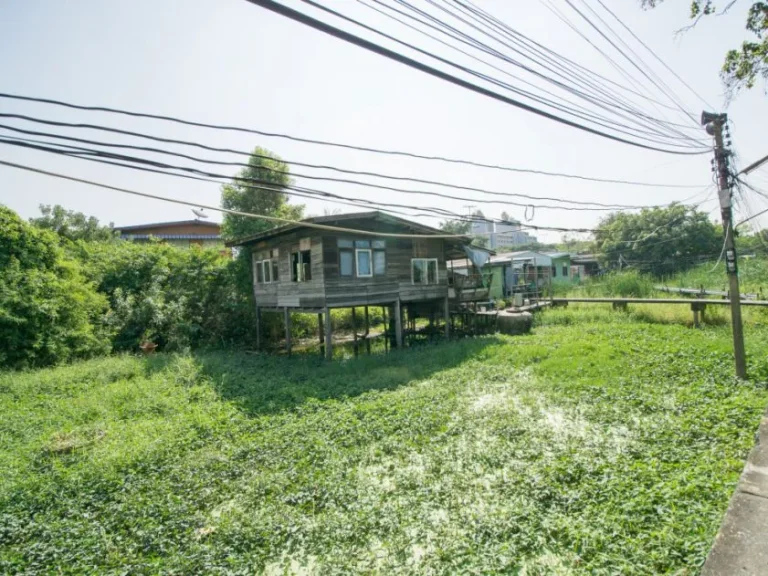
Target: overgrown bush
{"type": "Point", "coordinates": [175, 298]}
{"type": "Point", "coordinates": [49, 312]}
{"type": "Point", "coordinates": [629, 284]}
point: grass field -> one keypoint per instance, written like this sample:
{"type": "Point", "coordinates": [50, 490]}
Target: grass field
{"type": "Point", "coordinates": [600, 444]}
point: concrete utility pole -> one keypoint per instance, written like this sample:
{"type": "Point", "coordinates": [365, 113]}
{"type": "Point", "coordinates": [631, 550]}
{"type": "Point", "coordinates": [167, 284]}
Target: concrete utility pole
{"type": "Point", "coordinates": [714, 125]}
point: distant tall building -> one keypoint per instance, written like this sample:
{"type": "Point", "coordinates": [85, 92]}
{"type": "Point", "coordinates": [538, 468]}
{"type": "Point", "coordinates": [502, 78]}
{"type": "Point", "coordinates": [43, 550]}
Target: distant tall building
{"type": "Point", "coordinates": [503, 235]}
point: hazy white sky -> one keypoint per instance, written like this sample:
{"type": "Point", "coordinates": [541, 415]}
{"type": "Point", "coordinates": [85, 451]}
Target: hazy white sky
{"type": "Point", "coordinates": [230, 62]}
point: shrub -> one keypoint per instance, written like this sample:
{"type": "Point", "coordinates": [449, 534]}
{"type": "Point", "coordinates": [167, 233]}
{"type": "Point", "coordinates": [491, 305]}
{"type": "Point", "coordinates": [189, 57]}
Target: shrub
{"type": "Point", "coordinates": [629, 284]}
{"type": "Point", "coordinates": [49, 312]}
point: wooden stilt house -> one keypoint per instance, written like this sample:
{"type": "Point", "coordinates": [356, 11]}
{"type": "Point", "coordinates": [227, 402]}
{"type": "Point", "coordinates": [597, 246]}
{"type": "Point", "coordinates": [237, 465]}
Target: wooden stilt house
{"type": "Point", "coordinates": [358, 260]}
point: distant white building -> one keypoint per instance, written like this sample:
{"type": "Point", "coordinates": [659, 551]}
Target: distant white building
{"type": "Point", "coordinates": [503, 235]}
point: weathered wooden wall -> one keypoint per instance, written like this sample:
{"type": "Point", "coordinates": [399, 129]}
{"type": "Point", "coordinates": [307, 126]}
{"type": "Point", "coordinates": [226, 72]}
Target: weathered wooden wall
{"type": "Point", "coordinates": [396, 283]}
{"type": "Point", "coordinates": [285, 292]}
{"type": "Point", "coordinates": [329, 288]}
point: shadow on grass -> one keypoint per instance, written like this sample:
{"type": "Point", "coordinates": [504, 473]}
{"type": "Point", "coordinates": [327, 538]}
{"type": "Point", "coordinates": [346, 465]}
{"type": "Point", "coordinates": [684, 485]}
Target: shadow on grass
{"type": "Point", "coordinates": [266, 384]}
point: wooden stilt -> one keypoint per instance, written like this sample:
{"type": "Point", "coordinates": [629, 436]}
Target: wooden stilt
{"type": "Point", "coordinates": [367, 332]}
{"type": "Point", "coordinates": [386, 327]}
{"type": "Point", "coordinates": [288, 330]}
{"type": "Point", "coordinates": [328, 334]}
{"type": "Point", "coordinates": [354, 330]}
{"type": "Point", "coordinates": [447, 317]}
{"type": "Point", "coordinates": [321, 330]}
{"type": "Point", "coordinates": [258, 328]}
{"type": "Point", "coordinates": [398, 324]}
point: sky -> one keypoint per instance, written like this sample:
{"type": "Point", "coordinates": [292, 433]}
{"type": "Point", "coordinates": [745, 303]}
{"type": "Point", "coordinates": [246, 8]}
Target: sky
{"type": "Point", "coordinates": [231, 62]}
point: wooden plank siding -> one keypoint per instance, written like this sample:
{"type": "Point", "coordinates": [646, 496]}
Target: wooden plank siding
{"type": "Point", "coordinates": [285, 292]}
{"type": "Point", "coordinates": [328, 288]}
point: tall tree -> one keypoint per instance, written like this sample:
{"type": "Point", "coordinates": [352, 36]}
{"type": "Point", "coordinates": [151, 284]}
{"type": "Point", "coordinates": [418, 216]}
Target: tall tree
{"type": "Point", "coordinates": [456, 226]}
{"type": "Point", "coordinates": [246, 193]}
{"type": "Point", "coordinates": [743, 65]}
{"type": "Point", "coordinates": [72, 225]}
{"type": "Point", "coordinates": [659, 241]}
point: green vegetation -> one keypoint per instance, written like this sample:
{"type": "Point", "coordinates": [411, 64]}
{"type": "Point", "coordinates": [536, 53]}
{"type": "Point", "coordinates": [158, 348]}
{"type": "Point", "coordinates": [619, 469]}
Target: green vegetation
{"type": "Point", "coordinates": [753, 276]}
{"type": "Point", "coordinates": [658, 241]}
{"type": "Point", "coordinates": [257, 189]}
{"type": "Point", "coordinates": [610, 448]}
{"type": "Point", "coordinates": [48, 311]}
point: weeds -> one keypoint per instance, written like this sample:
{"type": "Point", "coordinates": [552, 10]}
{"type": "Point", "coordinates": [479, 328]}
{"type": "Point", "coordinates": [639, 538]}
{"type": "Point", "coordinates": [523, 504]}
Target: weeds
{"type": "Point", "coordinates": [610, 447]}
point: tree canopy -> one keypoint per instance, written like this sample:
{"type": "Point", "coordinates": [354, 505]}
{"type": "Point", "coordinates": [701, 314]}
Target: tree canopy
{"type": "Point", "coordinates": [72, 225]}
{"type": "Point", "coordinates": [246, 194]}
{"type": "Point", "coordinates": [456, 226]}
{"type": "Point", "coordinates": [743, 65]}
{"type": "Point", "coordinates": [659, 241]}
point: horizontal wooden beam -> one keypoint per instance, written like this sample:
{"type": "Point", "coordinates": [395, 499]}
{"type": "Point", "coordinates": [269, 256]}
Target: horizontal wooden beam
{"type": "Point", "coordinates": [686, 301]}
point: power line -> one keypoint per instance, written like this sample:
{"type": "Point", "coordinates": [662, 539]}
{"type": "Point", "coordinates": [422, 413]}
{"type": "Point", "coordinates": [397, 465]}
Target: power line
{"type": "Point", "coordinates": [372, 47]}
{"type": "Point", "coordinates": [644, 45]}
{"type": "Point", "coordinates": [276, 219]}
{"type": "Point", "coordinates": [607, 57]}
{"type": "Point", "coordinates": [270, 218]}
{"type": "Point", "coordinates": [301, 175]}
{"type": "Point", "coordinates": [617, 127]}
{"type": "Point", "coordinates": [302, 192]}
{"type": "Point", "coordinates": [635, 115]}
{"type": "Point", "coordinates": [673, 97]}
{"type": "Point", "coordinates": [615, 108]}
{"type": "Point", "coordinates": [473, 163]}
{"type": "Point", "coordinates": [512, 33]}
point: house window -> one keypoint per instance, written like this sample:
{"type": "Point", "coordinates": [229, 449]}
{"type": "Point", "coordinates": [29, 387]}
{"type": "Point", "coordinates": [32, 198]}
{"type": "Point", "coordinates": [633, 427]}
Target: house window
{"type": "Point", "coordinates": [301, 266]}
{"type": "Point", "coordinates": [554, 271]}
{"type": "Point", "coordinates": [379, 262]}
{"type": "Point", "coordinates": [424, 270]}
{"type": "Point", "coordinates": [565, 270]}
{"type": "Point", "coordinates": [346, 262]}
{"type": "Point", "coordinates": [363, 259]}
{"type": "Point", "coordinates": [265, 266]}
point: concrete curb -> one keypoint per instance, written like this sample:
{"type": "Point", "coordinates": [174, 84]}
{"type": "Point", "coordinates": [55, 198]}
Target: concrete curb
{"type": "Point", "coordinates": [741, 545]}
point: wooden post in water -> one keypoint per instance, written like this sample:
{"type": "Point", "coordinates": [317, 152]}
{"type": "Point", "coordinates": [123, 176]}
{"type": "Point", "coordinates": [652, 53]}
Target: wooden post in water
{"type": "Point", "coordinates": [328, 334]}
{"type": "Point", "coordinates": [288, 330]}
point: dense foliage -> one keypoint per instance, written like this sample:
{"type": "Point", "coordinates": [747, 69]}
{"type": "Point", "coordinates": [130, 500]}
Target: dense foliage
{"type": "Point", "coordinates": [258, 189]}
{"type": "Point", "coordinates": [73, 225]}
{"type": "Point", "coordinates": [607, 448]}
{"type": "Point", "coordinates": [658, 241]}
{"type": "Point", "coordinates": [48, 311]}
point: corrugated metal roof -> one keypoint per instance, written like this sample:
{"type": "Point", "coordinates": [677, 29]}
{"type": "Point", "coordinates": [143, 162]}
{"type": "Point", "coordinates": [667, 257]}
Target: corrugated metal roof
{"type": "Point", "coordinates": [170, 236]}
{"type": "Point", "coordinates": [174, 223]}
{"type": "Point", "coordinates": [330, 220]}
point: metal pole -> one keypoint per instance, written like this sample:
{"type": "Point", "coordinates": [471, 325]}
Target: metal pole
{"type": "Point", "coordinates": [715, 123]}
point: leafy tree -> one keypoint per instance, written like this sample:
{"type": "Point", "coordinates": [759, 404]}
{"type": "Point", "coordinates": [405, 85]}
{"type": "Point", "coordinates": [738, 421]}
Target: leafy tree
{"type": "Point", "coordinates": [742, 66]}
{"type": "Point", "coordinates": [244, 194]}
{"type": "Point", "coordinates": [456, 226]}
{"type": "Point", "coordinates": [659, 241]}
{"type": "Point", "coordinates": [506, 217]}
{"type": "Point", "coordinates": [72, 225]}
{"type": "Point", "coordinates": [49, 312]}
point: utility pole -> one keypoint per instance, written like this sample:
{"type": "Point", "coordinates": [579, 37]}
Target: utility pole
{"type": "Point", "coordinates": [714, 125]}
